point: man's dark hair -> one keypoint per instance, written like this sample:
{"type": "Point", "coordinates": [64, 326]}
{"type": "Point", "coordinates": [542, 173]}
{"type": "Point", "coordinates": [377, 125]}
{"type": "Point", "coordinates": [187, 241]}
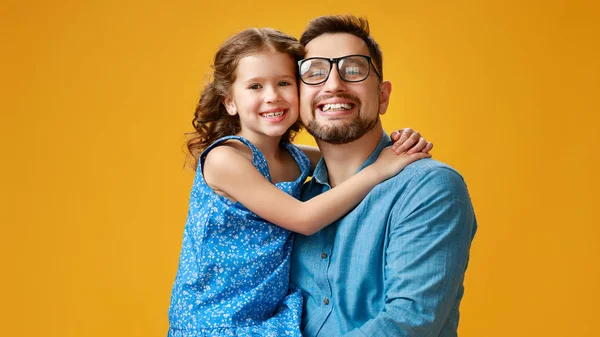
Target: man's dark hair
{"type": "Point", "coordinates": [350, 24]}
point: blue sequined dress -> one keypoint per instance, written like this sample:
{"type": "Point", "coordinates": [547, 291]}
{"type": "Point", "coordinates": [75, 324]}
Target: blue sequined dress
{"type": "Point", "coordinates": [233, 276]}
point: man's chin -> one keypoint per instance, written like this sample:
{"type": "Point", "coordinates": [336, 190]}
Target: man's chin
{"type": "Point", "coordinates": [340, 132]}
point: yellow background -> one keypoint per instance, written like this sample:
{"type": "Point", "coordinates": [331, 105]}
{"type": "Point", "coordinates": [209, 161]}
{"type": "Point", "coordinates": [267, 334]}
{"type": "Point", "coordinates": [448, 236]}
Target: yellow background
{"type": "Point", "coordinates": [96, 97]}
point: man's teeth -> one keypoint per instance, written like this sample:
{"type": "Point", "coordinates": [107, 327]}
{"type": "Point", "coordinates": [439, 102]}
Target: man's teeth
{"type": "Point", "coordinates": [273, 114]}
{"type": "Point", "coordinates": [336, 107]}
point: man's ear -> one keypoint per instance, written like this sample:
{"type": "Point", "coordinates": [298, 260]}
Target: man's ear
{"type": "Point", "coordinates": [384, 96]}
{"type": "Point", "coordinates": [229, 105]}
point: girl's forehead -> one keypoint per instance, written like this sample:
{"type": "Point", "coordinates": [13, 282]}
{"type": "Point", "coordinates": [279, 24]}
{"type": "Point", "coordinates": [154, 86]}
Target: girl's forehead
{"type": "Point", "coordinates": [266, 63]}
{"type": "Point", "coordinates": [266, 55]}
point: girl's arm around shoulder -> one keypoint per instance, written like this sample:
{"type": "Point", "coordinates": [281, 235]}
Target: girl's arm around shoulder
{"type": "Point", "coordinates": [405, 140]}
{"type": "Point", "coordinates": [226, 169]}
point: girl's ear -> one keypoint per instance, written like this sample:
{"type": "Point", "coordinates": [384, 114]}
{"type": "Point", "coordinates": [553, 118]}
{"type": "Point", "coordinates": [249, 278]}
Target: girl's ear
{"type": "Point", "coordinates": [229, 105]}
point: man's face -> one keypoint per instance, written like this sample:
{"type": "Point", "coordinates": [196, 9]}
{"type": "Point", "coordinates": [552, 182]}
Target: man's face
{"type": "Point", "coordinates": [336, 111]}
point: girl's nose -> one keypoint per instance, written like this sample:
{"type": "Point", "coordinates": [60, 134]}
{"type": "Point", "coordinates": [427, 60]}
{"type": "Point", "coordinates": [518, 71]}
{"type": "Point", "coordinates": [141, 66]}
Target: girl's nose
{"type": "Point", "coordinates": [272, 95]}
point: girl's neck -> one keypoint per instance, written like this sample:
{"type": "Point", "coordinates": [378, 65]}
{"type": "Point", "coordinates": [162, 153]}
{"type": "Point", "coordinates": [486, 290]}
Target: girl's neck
{"type": "Point", "coordinates": [268, 146]}
{"type": "Point", "coordinates": [282, 166]}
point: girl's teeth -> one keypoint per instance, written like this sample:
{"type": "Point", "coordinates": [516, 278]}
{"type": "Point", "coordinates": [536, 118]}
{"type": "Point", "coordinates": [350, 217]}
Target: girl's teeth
{"type": "Point", "coordinates": [336, 107]}
{"type": "Point", "coordinates": [273, 114]}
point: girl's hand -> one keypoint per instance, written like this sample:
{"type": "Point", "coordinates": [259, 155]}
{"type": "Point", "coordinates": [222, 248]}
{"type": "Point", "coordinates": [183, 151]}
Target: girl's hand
{"type": "Point", "coordinates": [409, 141]}
{"type": "Point", "coordinates": [388, 164]}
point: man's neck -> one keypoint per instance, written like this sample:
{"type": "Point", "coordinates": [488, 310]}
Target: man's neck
{"type": "Point", "coordinates": [343, 160]}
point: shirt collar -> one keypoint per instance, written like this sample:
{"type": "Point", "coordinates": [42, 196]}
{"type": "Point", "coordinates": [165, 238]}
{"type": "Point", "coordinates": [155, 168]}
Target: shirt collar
{"type": "Point", "coordinates": [321, 175]}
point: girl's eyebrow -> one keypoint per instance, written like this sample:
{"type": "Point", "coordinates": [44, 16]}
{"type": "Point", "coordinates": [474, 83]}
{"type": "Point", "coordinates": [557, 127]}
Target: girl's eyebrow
{"type": "Point", "coordinates": [253, 79]}
{"type": "Point", "coordinates": [258, 79]}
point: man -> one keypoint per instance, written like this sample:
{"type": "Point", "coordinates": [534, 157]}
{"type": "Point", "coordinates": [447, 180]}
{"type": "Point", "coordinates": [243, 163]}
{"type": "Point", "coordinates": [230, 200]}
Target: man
{"type": "Point", "coordinates": [393, 266]}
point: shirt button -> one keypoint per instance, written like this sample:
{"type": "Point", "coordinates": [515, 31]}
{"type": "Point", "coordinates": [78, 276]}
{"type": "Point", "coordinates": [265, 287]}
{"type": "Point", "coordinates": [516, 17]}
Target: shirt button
{"type": "Point", "coordinates": [324, 256]}
{"type": "Point", "coordinates": [326, 301]}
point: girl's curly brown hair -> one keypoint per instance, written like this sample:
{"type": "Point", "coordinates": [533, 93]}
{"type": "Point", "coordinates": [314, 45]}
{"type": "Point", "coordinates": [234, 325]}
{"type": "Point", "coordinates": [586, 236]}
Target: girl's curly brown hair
{"type": "Point", "coordinates": [211, 120]}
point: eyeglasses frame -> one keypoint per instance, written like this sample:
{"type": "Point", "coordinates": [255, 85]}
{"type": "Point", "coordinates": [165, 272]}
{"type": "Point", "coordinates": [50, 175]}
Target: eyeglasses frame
{"type": "Point", "coordinates": [336, 61]}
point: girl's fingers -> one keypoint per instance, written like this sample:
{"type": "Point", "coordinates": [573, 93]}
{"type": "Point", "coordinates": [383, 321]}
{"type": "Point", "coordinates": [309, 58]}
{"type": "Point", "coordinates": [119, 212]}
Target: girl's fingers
{"type": "Point", "coordinates": [396, 135]}
{"type": "Point", "coordinates": [419, 146]}
{"type": "Point", "coordinates": [406, 141]}
{"type": "Point", "coordinates": [428, 147]}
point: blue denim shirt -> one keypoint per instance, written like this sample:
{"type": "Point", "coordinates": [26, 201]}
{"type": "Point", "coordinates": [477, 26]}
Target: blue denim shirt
{"type": "Point", "coordinates": [394, 265]}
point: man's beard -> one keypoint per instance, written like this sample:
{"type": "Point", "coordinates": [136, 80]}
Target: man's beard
{"type": "Point", "coordinates": [341, 132]}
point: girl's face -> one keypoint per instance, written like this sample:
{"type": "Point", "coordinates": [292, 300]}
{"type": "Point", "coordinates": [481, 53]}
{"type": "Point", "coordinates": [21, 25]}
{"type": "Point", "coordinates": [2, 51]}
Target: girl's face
{"type": "Point", "coordinates": [264, 94]}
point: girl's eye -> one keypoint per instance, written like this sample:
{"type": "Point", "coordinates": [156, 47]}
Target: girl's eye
{"type": "Point", "coordinates": [255, 86]}
{"type": "Point", "coordinates": [284, 83]}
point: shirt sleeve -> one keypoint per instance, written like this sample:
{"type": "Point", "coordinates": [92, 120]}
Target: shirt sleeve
{"type": "Point", "coordinates": [431, 229]}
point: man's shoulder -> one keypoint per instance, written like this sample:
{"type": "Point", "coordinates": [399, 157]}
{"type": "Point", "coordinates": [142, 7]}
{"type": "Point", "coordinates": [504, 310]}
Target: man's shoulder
{"type": "Point", "coordinates": [424, 173]}
{"type": "Point", "coordinates": [428, 174]}
{"type": "Point", "coordinates": [426, 167]}
{"type": "Point", "coordinates": [428, 185]}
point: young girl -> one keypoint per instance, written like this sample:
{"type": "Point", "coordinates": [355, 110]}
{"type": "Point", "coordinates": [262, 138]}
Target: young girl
{"type": "Point", "coordinates": [233, 277]}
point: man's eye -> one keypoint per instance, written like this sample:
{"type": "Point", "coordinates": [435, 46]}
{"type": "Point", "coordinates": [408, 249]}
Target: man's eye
{"type": "Point", "coordinates": [255, 86]}
{"type": "Point", "coordinates": [317, 73]}
{"type": "Point", "coordinates": [353, 71]}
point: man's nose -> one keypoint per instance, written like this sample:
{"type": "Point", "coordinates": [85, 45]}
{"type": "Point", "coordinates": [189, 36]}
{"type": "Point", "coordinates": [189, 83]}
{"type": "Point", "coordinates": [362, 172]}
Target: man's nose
{"type": "Point", "coordinates": [334, 83]}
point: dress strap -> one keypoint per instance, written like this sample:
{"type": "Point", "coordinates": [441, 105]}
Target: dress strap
{"type": "Point", "coordinates": [301, 158]}
{"type": "Point", "coordinates": [258, 159]}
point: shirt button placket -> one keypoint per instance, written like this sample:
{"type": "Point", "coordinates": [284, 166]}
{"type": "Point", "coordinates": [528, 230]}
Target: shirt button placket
{"type": "Point", "coordinates": [326, 300]}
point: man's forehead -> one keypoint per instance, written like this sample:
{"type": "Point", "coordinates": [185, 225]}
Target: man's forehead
{"type": "Point", "coordinates": [336, 45]}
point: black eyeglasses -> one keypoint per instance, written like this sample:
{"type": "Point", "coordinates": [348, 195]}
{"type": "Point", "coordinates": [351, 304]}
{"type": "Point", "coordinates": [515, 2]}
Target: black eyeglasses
{"type": "Point", "coordinates": [352, 68]}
